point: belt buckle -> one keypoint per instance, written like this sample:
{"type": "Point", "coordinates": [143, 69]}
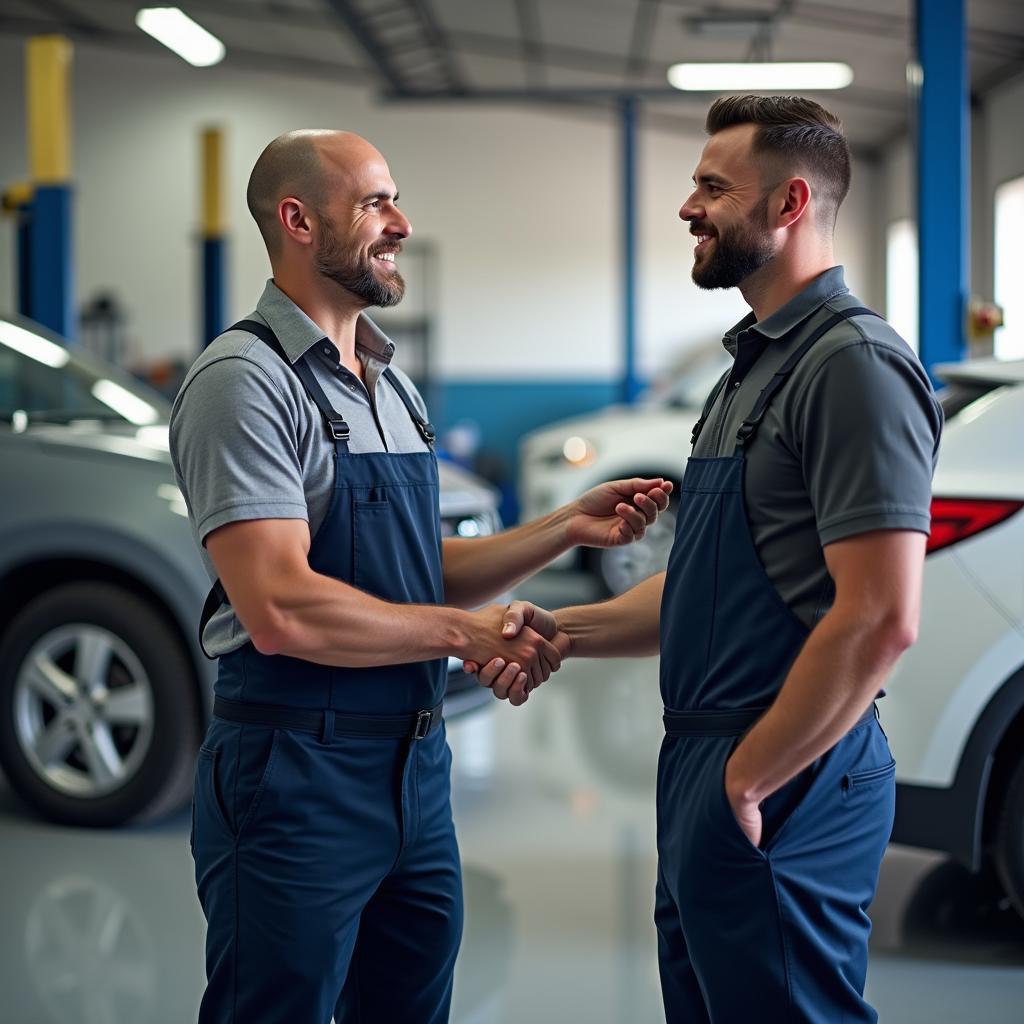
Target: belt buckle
{"type": "Point", "coordinates": [422, 727]}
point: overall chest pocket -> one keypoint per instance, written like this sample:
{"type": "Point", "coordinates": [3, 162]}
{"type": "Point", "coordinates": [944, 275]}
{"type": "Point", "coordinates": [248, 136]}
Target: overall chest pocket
{"type": "Point", "coordinates": [396, 545]}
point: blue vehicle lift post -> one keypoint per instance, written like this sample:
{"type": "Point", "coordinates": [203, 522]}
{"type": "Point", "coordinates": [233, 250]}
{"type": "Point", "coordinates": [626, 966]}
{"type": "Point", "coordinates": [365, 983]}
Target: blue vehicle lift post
{"type": "Point", "coordinates": [214, 240]}
{"type": "Point", "coordinates": [630, 386]}
{"type": "Point", "coordinates": [943, 140]}
{"type": "Point", "coordinates": [46, 291]}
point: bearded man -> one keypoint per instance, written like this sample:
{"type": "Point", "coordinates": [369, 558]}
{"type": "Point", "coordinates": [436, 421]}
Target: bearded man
{"type": "Point", "coordinates": [793, 586]}
{"type": "Point", "coordinates": [325, 854]}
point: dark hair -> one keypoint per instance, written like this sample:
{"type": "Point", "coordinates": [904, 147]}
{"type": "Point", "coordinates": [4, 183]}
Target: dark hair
{"type": "Point", "coordinates": [794, 136]}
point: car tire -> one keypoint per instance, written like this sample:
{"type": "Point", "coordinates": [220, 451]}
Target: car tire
{"type": "Point", "coordinates": [620, 569]}
{"type": "Point", "coordinates": [1008, 850]}
{"type": "Point", "coordinates": [99, 708]}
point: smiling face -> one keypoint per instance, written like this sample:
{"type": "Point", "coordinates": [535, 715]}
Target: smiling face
{"type": "Point", "coordinates": [360, 226]}
{"type": "Point", "coordinates": [728, 211]}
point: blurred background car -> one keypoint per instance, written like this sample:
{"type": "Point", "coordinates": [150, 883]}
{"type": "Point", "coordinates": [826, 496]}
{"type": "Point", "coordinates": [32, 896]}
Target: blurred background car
{"type": "Point", "coordinates": [650, 439]}
{"type": "Point", "coordinates": [954, 711]}
{"type": "Point", "coordinates": [104, 692]}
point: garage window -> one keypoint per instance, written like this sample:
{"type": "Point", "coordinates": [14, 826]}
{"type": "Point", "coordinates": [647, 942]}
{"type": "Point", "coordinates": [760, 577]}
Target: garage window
{"type": "Point", "coordinates": [1009, 340]}
{"type": "Point", "coordinates": [901, 279]}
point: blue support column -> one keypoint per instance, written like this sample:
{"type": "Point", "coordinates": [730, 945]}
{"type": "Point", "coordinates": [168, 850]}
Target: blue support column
{"type": "Point", "coordinates": [215, 243]}
{"type": "Point", "coordinates": [943, 137]}
{"type": "Point", "coordinates": [47, 293]}
{"type": "Point", "coordinates": [630, 381]}
{"type": "Point", "coordinates": [214, 287]}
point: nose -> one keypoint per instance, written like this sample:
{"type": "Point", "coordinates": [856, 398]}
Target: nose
{"type": "Point", "coordinates": [399, 224]}
{"type": "Point", "coordinates": [691, 209]}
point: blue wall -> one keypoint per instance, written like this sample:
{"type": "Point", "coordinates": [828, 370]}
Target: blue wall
{"type": "Point", "coordinates": [505, 410]}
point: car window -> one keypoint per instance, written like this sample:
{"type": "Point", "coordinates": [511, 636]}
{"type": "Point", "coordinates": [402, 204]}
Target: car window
{"type": "Point", "coordinates": [43, 380]}
{"type": "Point", "coordinates": [35, 388]}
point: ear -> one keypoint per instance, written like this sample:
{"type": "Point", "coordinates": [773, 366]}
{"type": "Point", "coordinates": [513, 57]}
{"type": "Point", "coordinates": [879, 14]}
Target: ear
{"type": "Point", "coordinates": [295, 220]}
{"type": "Point", "coordinates": [791, 201]}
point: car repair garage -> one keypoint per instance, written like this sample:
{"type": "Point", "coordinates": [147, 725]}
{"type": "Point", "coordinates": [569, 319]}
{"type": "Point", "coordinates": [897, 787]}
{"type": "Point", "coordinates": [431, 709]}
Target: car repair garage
{"type": "Point", "coordinates": [512, 510]}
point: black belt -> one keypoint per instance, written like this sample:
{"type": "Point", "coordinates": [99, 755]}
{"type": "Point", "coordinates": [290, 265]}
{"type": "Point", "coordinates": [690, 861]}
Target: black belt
{"type": "Point", "coordinates": [416, 726]}
{"type": "Point", "coordinates": [725, 723]}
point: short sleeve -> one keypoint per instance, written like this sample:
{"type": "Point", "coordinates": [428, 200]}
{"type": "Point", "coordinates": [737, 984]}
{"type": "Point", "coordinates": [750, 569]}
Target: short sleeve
{"type": "Point", "coordinates": [870, 425]}
{"type": "Point", "coordinates": [234, 443]}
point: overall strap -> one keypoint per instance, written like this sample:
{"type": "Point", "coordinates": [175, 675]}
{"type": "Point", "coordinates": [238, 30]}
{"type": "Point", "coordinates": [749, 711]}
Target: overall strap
{"type": "Point", "coordinates": [336, 425]}
{"type": "Point", "coordinates": [425, 428]}
{"type": "Point", "coordinates": [708, 405]}
{"type": "Point", "coordinates": [748, 428]}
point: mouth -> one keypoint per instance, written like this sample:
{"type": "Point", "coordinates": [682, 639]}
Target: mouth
{"type": "Point", "coordinates": [386, 257]}
{"type": "Point", "coordinates": [703, 241]}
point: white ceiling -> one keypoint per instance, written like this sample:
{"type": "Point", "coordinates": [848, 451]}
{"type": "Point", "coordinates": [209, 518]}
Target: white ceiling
{"type": "Point", "coordinates": [539, 46]}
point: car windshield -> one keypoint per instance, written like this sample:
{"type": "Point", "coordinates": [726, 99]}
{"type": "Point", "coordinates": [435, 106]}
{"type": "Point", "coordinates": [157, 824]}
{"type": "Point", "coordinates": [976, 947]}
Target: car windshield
{"type": "Point", "coordinates": [959, 395]}
{"type": "Point", "coordinates": [42, 380]}
{"type": "Point", "coordinates": [692, 380]}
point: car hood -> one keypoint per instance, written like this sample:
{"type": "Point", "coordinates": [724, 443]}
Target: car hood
{"type": "Point", "coordinates": [616, 420]}
{"type": "Point", "coordinates": [149, 443]}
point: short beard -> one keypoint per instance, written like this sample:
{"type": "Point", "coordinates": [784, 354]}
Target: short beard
{"type": "Point", "coordinates": [354, 274]}
{"type": "Point", "coordinates": [737, 255]}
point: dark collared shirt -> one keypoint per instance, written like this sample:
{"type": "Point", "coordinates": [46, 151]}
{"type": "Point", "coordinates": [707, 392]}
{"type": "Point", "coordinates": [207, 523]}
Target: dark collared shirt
{"type": "Point", "coordinates": [847, 446]}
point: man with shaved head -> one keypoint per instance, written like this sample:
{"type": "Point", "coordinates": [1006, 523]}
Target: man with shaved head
{"type": "Point", "coordinates": [322, 831]}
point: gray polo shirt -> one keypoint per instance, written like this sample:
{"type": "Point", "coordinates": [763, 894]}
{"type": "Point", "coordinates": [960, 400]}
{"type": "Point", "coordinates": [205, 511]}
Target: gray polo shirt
{"type": "Point", "coordinates": [847, 446]}
{"type": "Point", "coordinates": [248, 443]}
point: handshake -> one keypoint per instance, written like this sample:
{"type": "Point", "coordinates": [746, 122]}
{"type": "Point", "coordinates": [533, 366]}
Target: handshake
{"type": "Point", "coordinates": [531, 647]}
{"type": "Point", "coordinates": [513, 650]}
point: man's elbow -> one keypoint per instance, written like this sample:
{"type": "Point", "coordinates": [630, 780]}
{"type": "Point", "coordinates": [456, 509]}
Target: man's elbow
{"type": "Point", "coordinates": [897, 631]}
{"type": "Point", "coordinates": [272, 633]}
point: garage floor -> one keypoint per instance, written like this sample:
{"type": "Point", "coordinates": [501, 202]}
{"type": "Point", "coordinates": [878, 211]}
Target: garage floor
{"type": "Point", "coordinates": [554, 803]}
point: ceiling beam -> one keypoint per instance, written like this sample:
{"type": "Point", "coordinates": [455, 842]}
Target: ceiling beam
{"type": "Point", "coordinates": [384, 35]}
{"type": "Point", "coordinates": [640, 38]}
{"type": "Point", "coordinates": [532, 48]}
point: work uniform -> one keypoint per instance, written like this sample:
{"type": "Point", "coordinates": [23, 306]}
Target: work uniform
{"type": "Point", "coordinates": [325, 853]}
{"type": "Point", "coordinates": [825, 427]}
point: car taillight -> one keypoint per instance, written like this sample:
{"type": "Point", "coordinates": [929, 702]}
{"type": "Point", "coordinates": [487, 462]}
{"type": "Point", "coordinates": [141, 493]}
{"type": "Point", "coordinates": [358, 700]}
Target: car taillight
{"type": "Point", "coordinates": [956, 519]}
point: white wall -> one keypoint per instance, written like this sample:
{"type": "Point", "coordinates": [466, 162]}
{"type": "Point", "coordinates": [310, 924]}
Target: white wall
{"type": "Point", "coordinates": [522, 203]}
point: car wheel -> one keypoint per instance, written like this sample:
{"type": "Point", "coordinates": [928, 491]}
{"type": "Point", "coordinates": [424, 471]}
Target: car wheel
{"type": "Point", "coordinates": [620, 569]}
{"type": "Point", "coordinates": [99, 716]}
{"type": "Point", "coordinates": [1008, 852]}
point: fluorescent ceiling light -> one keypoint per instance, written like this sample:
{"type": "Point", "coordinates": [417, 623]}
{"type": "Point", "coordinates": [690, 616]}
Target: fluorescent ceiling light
{"type": "Point", "coordinates": [123, 402]}
{"type": "Point", "coordinates": [771, 77]}
{"type": "Point", "coordinates": [178, 32]}
{"type": "Point", "coordinates": [32, 345]}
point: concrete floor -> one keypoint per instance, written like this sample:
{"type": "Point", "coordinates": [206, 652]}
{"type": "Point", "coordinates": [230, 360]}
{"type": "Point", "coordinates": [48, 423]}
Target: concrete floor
{"type": "Point", "coordinates": [554, 803]}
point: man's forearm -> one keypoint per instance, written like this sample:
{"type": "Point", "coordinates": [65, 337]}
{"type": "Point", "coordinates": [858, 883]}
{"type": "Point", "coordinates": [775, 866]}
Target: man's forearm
{"type": "Point", "coordinates": [840, 669]}
{"type": "Point", "coordinates": [323, 620]}
{"type": "Point", "coordinates": [477, 569]}
{"type": "Point", "coordinates": [625, 626]}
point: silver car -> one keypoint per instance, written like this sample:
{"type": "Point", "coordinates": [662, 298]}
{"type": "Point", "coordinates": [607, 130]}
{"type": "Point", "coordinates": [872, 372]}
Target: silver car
{"type": "Point", "coordinates": [104, 693]}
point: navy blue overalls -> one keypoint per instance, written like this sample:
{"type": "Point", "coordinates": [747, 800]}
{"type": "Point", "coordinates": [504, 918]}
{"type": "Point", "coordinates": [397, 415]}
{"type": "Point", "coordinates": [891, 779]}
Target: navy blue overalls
{"type": "Point", "coordinates": [323, 841]}
{"type": "Point", "coordinates": [776, 933]}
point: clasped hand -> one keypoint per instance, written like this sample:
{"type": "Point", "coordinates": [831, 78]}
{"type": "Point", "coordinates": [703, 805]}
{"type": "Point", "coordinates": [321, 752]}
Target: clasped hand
{"type": "Point", "coordinates": [523, 628]}
{"type": "Point", "coordinates": [614, 513]}
{"type": "Point", "coordinates": [515, 648]}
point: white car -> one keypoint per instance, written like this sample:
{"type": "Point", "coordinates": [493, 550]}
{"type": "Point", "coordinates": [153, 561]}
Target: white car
{"type": "Point", "coordinates": [954, 711]}
{"type": "Point", "coordinates": [650, 439]}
